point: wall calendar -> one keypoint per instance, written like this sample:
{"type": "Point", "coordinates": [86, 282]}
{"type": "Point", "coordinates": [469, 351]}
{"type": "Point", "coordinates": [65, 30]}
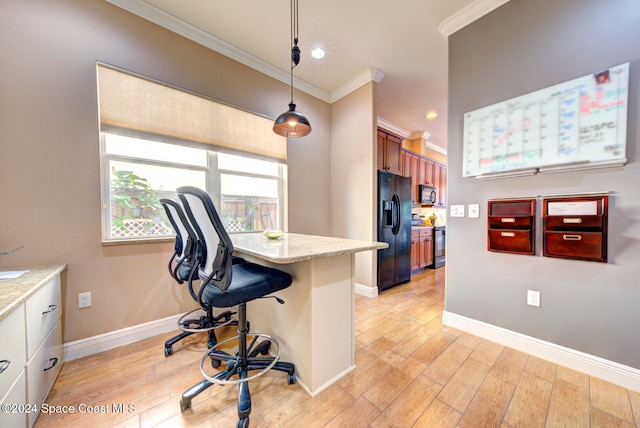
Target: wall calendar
{"type": "Point", "coordinates": [581, 121]}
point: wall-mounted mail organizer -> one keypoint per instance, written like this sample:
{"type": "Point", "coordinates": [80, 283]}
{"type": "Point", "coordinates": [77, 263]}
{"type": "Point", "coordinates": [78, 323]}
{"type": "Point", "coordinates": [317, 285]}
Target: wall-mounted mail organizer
{"type": "Point", "coordinates": [512, 226]}
{"type": "Point", "coordinates": [575, 227]}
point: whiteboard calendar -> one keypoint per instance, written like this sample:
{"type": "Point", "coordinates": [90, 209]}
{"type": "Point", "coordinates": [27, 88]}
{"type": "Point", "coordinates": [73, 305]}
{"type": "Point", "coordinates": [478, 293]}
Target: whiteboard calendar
{"type": "Point", "coordinates": [582, 120]}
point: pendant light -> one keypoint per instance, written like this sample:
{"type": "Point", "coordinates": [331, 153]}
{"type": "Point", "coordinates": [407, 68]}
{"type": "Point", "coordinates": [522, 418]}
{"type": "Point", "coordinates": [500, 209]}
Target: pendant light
{"type": "Point", "coordinates": [291, 123]}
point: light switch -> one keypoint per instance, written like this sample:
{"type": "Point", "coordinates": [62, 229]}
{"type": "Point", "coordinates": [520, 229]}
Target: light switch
{"type": "Point", "coordinates": [474, 210]}
{"type": "Point", "coordinates": [457, 210]}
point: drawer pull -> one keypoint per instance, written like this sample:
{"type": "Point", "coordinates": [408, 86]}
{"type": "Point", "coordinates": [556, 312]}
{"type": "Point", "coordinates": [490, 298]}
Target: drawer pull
{"type": "Point", "coordinates": [508, 220]}
{"type": "Point", "coordinates": [51, 309]}
{"type": "Point", "coordinates": [4, 364]}
{"type": "Point", "coordinates": [508, 234]}
{"type": "Point", "coordinates": [53, 361]}
{"type": "Point", "coordinates": [571, 237]}
{"type": "Point", "coordinates": [572, 220]}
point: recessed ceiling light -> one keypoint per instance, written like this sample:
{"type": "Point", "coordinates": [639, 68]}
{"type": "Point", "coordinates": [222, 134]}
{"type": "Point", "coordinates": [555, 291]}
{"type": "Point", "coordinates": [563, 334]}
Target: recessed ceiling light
{"type": "Point", "coordinates": [432, 115]}
{"type": "Point", "coordinates": [317, 53]}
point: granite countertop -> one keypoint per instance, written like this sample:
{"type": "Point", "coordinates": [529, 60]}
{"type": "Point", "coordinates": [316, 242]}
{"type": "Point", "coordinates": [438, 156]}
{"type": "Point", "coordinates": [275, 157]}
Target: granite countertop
{"type": "Point", "coordinates": [294, 247]}
{"type": "Point", "coordinates": [13, 292]}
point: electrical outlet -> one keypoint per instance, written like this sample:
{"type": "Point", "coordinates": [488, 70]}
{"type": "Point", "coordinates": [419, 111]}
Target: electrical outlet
{"type": "Point", "coordinates": [533, 298]}
{"type": "Point", "coordinates": [84, 300]}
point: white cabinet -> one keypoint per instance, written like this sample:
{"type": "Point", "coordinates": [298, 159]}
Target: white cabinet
{"type": "Point", "coordinates": [12, 363]}
{"type": "Point", "coordinates": [43, 368]}
{"type": "Point", "coordinates": [43, 309]}
{"type": "Point", "coordinates": [32, 359]}
{"type": "Point", "coordinates": [16, 395]}
{"type": "Point", "coordinates": [12, 355]}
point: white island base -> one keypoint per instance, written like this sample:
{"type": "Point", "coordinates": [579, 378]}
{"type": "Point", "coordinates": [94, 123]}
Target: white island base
{"type": "Point", "coordinates": [316, 325]}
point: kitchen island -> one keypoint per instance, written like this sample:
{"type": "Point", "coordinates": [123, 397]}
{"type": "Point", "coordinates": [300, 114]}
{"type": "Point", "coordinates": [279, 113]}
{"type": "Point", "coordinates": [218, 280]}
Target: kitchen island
{"type": "Point", "coordinates": [316, 325]}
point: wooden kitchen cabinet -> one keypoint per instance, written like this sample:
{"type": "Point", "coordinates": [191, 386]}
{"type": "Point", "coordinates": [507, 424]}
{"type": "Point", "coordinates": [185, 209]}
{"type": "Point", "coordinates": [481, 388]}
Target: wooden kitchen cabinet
{"type": "Point", "coordinates": [423, 170]}
{"type": "Point", "coordinates": [389, 152]}
{"type": "Point", "coordinates": [426, 171]}
{"type": "Point", "coordinates": [421, 248]}
{"type": "Point", "coordinates": [442, 186]}
{"type": "Point", "coordinates": [406, 163]}
{"type": "Point", "coordinates": [426, 247]}
{"type": "Point", "coordinates": [415, 250]}
{"type": "Point", "coordinates": [410, 162]}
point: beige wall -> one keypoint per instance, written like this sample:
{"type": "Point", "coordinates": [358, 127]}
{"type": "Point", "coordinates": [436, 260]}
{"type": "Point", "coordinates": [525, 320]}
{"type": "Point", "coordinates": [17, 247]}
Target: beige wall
{"type": "Point", "coordinates": [49, 157]}
{"type": "Point", "coordinates": [353, 166]}
{"type": "Point", "coordinates": [419, 145]}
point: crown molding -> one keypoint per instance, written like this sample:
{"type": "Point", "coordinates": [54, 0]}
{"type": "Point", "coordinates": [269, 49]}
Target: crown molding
{"type": "Point", "coordinates": [419, 134]}
{"type": "Point", "coordinates": [171, 23]}
{"type": "Point", "coordinates": [435, 148]}
{"type": "Point", "coordinates": [368, 75]}
{"type": "Point", "coordinates": [466, 16]}
{"type": "Point", "coordinates": [424, 135]}
{"type": "Point", "coordinates": [401, 132]}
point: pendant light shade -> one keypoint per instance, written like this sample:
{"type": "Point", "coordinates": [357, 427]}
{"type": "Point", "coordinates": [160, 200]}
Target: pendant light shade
{"type": "Point", "coordinates": [291, 123]}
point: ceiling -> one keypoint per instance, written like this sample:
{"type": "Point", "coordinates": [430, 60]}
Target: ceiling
{"type": "Point", "coordinates": [401, 44]}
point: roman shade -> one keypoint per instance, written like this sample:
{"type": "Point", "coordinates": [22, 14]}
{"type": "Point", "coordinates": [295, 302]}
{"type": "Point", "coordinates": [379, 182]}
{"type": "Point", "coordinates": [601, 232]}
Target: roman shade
{"type": "Point", "coordinates": [133, 102]}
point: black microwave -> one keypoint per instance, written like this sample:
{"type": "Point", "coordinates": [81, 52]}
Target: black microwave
{"type": "Point", "coordinates": [427, 195]}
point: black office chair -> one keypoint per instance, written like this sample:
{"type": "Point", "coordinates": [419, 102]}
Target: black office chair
{"type": "Point", "coordinates": [183, 265]}
{"type": "Point", "coordinates": [225, 285]}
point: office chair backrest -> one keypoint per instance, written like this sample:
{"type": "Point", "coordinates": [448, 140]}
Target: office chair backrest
{"type": "Point", "coordinates": [217, 247]}
{"type": "Point", "coordinates": [185, 249]}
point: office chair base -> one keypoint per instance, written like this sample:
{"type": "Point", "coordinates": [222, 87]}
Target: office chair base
{"type": "Point", "coordinates": [191, 323]}
{"type": "Point", "coordinates": [185, 323]}
{"type": "Point", "coordinates": [235, 365]}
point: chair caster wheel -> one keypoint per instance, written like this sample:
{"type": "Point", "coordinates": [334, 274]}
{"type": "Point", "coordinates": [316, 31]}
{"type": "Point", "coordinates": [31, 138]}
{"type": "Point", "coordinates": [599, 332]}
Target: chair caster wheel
{"type": "Point", "coordinates": [185, 405]}
{"type": "Point", "coordinates": [243, 422]}
{"type": "Point", "coordinates": [215, 363]}
{"type": "Point", "coordinates": [168, 350]}
{"type": "Point", "coordinates": [291, 379]}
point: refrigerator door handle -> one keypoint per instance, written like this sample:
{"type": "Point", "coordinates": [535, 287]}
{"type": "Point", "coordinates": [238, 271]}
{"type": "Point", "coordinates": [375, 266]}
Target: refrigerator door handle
{"type": "Point", "coordinates": [396, 214]}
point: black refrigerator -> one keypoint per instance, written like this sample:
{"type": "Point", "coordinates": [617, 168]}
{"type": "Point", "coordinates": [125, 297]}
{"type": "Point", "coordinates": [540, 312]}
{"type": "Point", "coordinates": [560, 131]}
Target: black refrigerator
{"type": "Point", "coordinates": [394, 228]}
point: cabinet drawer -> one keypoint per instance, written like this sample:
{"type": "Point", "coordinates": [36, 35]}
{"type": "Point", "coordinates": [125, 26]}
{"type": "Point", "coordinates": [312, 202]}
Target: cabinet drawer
{"type": "Point", "coordinates": [511, 240]}
{"type": "Point", "coordinates": [415, 234]}
{"type": "Point", "coordinates": [44, 367]}
{"type": "Point", "coordinates": [12, 353]}
{"type": "Point", "coordinates": [43, 309]}
{"type": "Point", "coordinates": [575, 245]}
{"type": "Point", "coordinates": [591, 223]}
{"type": "Point", "coordinates": [426, 233]}
{"type": "Point", "coordinates": [510, 222]}
{"type": "Point", "coordinates": [17, 395]}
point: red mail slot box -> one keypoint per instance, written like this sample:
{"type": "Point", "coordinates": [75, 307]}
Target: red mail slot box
{"type": "Point", "coordinates": [511, 226]}
{"type": "Point", "coordinates": [576, 227]}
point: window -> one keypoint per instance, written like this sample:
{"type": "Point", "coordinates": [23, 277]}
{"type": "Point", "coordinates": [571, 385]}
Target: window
{"type": "Point", "coordinates": [249, 193]}
{"type": "Point", "coordinates": [156, 137]}
{"type": "Point", "coordinates": [137, 172]}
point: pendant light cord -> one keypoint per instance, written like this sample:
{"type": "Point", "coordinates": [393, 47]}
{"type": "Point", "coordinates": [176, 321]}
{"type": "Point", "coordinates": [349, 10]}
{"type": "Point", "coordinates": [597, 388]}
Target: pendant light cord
{"type": "Point", "coordinates": [295, 57]}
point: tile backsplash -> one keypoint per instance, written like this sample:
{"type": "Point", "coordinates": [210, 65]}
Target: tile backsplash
{"type": "Point", "coordinates": [441, 214]}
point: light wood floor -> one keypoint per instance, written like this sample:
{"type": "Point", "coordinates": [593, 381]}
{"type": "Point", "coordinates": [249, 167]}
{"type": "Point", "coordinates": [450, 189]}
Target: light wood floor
{"type": "Point", "coordinates": [411, 372]}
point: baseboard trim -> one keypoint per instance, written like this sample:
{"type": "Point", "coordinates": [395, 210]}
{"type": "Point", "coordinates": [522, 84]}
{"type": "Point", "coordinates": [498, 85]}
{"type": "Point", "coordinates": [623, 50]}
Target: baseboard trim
{"type": "Point", "coordinates": [610, 371]}
{"type": "Point", "coordinates": [327, 384]}
{"type": "Point", "coordinates": [366, 291]}
{"type": "Point", "coordinates": [113, 339]}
